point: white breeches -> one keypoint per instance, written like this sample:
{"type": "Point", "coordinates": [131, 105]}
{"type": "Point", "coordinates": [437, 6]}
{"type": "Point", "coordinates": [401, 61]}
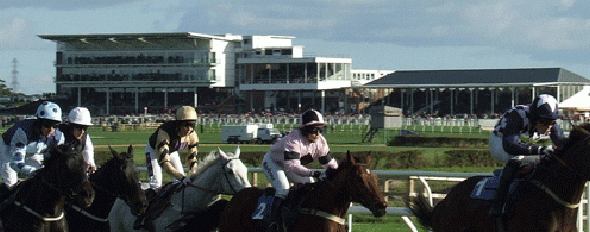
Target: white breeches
{"type": "Point", "coordinates": [497, 151]}
{"type": "Point", "coordinates": [9, 176]}
{"type": "Point", "coordinates": [154, 172]}
{"type": "Point", "coordinates": [279, 179]}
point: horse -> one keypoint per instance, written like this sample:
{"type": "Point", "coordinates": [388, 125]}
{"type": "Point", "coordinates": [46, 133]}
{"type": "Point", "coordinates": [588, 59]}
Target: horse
{"type": "Point", "coordinates": [215, 174]}
{"type": "Point", "coordinates": [37, 204]}
{"type": "Point", "coordinates": [117, 178]}
{"type": "Point", "coordinates": [547, 199]}
{"type": "Point", "coordinates": [323, 207]}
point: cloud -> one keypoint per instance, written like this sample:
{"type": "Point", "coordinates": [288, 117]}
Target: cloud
{"type": "Point", "coordinates": [541, 29]}
{"type": "Point", "coordinates": [16, 33]}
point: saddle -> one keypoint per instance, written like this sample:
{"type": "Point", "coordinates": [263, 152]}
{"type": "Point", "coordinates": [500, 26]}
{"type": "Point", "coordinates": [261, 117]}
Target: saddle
{"type": "Point", "coordinates": [485, 189]}
{"type": "Point", "coordinates": [158, 200]}
{"type": "Point", "coordinates": [290, 209]}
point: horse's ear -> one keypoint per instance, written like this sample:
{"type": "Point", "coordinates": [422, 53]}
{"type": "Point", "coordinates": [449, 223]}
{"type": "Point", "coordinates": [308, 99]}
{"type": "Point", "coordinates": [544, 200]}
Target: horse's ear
{"type": "Point", "coordinates": [221, 153]}
{"type": "Point", "coordinates": [116, 154]}
{"type": "Point", "coordinates": [349, 157]}
{"type": "Point", "coordinates": [237, 152]}
{"type": "Point", "coordinates": [130, 151]}
{"type": "Point", "coordinates": [368, 159]}
{"type": "Point", "coordinates": [111, 148]}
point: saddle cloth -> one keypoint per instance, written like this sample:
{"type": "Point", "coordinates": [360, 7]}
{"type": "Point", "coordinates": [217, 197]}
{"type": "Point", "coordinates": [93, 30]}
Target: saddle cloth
{"type": "Point", "coordinates": [289, 208]}
{"type": "Point", "coordinates": [485, 189]}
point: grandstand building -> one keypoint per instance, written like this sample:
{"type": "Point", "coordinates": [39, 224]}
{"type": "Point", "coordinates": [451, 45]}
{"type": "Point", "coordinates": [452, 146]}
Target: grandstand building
{"type": "Point", "coordinates": [125, 73]}
{"type": "Point", "coordinates": [132, 73]}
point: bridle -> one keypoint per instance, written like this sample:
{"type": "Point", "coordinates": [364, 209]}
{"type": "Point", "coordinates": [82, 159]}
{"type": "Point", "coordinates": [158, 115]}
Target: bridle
{"type": "Point", "coordinates": [212, 191]}
{"type": "Point", "coordinates": [224, 169]}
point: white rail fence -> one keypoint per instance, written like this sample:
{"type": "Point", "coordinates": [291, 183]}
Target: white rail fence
{"type": "Point", "coordinates": [424, 176]}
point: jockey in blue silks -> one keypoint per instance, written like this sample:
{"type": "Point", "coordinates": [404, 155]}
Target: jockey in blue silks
{"type": "Point", "coordinates": [532, 121]}
{"type": "Point", "coordinates": [22, 146]}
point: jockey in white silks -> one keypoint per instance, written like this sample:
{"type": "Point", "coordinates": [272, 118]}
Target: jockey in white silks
{"type": "Point", "coordinates": [75, 134]}
{"type": "Point", "coordinates": [285, 161]}
{"type": "Point", "coordinates": [505, 144]}
{"type": "Point", "coordinates": [22, 146]}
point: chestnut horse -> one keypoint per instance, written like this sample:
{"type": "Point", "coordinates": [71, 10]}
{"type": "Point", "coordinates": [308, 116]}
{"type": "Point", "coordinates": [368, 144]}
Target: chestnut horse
{"type": "Point", "coordinates": [37, 204]}
{"type": "Point", "coordinates": [117, 178]}
{"type": "Point", "coordinates": [325, 205]}
{"type": "Point", "coordinates": [547, 200]}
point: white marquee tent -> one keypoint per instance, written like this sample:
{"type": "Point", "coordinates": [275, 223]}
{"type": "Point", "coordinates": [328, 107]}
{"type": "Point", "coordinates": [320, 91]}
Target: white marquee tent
{"type": "Point", "coordinates": [577, 103]}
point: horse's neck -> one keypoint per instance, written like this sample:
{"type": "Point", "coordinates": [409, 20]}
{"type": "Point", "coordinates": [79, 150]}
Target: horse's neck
{"type": "Point", "coordinates": [561, 181]}
{"type": "Point", "coordinates": [329, 198]}
{"type": "Point", "coordinates": [103, 202]}
{"type": "Point", "coordinates": [206, 188]}
{"type": "Point", "coordinates": [41, 198]}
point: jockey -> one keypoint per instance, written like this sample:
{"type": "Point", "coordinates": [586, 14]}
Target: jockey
{"type": "Point", "coordinates": [75, 134]}
{"type": "Point", "coordinates": [29, 136]}
{"type": "Point", "coordinates": [285, 161]}
{"type": "Point", "coordinates": [164, 144]}
{"type": "Point", "coordinates": [531, 121]}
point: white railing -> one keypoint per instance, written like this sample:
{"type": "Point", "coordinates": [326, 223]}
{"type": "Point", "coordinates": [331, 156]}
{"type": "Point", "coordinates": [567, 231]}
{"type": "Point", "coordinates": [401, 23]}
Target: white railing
{"type": "Point", "coordinates": [423, 177]}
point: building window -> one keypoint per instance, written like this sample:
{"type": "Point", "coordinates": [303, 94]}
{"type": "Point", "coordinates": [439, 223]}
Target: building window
{"type": "Point", "coordinates": [286, 52]}
{"type": "Point", "coordinates": [267, 52]}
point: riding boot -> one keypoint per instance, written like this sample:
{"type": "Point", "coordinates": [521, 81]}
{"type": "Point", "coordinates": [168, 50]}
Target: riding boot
{"type": "Point", "coordinates": [508, 174]}
{"type": "Point", "coordinates": [275, 214]}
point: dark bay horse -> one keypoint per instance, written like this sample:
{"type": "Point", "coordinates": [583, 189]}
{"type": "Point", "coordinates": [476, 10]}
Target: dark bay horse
{"type": "Point", "coordinates": [37, 204]}
{"type": "Point", "coordinates": [547, 200]}
{"type": "Point", "coordinates": [325, 206]}
{"type": "Point", "coordinates": [117, 178]}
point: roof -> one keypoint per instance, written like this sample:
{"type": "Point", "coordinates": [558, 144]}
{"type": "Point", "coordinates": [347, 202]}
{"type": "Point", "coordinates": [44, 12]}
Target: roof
{"type": "Point", "coordinates": [476, 77]}
{"type": "Point", "coordinates": [105, 36]}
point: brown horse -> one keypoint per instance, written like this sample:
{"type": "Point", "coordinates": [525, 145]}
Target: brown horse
{"type": "Point", "coordinates": [547, 199]}
{"type": "Point", "coordinates": [325, 206]}
{"type": "Point", "coordinates": [117, 178]}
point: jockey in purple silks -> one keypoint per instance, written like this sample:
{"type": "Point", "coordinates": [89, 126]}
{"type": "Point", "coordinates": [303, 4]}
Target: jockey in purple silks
{"type": "Point", "coordinates": [285, 161]}
{"type": "Point", "coordinates": [532, 121]}
{"type": "Point", "coordinates": [22, 146]}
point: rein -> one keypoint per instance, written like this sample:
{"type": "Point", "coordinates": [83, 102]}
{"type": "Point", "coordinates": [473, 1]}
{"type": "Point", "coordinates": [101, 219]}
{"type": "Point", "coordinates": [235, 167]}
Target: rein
{"type": "Point", "coordinates": [210, 190]}
{"type": "Point", "coordinates": [86, 213]}
{"type": "Point", "coordinates": [31, 211]}
{"type": "Point", "coordinates": [89, 215]}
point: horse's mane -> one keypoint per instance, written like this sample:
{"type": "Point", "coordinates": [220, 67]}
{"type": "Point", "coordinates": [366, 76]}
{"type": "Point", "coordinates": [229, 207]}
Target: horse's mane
{"type": "Point", "coordinates": [205, 162]}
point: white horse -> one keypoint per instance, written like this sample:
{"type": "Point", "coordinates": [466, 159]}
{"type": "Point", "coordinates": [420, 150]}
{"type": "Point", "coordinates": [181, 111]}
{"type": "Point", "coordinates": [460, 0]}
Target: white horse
{"type": "Point", "coordinates": [217, 173]}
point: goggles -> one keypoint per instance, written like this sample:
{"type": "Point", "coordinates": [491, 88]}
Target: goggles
{"type": "Point", "coordinates": [188, 124]}
{"type": "Point", "coordinates": [49, 124]}
{"type": "Point", "coordinates": [315, 130]}
{"type": "Point", "coordinates": [80, 127]}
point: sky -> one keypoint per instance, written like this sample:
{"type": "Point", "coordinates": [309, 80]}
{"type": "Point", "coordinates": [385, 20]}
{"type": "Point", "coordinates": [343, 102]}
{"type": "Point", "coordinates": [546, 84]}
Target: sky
{"type": "Point", "coordinates": [376, 34]}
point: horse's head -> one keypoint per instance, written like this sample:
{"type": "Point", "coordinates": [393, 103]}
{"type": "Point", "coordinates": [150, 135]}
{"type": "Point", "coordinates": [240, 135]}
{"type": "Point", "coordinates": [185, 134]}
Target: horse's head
{"type": "Point", "coordinates": [120, 176]}
{"type": "Point", "coordinates": [576, 153]}
{"type": "Point", "coordinates": [235, 173]}
{"type": "Point", "coordinates": [359, 183]}
{"type": "Point", "coordinates": [65, 170]}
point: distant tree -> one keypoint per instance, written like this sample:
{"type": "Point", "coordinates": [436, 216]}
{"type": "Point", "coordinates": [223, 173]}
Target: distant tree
{"type": "Point", "coordinates": [4, 90]}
